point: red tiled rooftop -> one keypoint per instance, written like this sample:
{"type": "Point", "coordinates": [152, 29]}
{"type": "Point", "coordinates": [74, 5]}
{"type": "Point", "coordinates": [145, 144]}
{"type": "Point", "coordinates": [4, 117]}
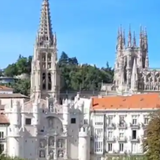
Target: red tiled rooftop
{"type": "Point", "coordinates": [138, 101]}
{"type": "Point", "coordinates": [3, 118]}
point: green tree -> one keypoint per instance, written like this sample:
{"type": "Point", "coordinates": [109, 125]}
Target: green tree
{"type": "Point", "coordinates": [74, 77]}
{"type": "Point", "coordinates": [11, 70]}
{"type": "Point", "coordinates": [151, 142]}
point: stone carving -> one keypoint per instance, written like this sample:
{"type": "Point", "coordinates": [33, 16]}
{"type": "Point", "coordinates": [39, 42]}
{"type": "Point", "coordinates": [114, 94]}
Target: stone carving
{"type": "Point", "coordinates": [60, 153]}
{"type": "Point", "coordinates": [60, 143]}
{"type": "Point", "coordinates": [51, 106]}
{"type": "Point", "coordinates": [42, 153]}
{"type": "Point", "coordinates": [42, 143]}
{"type": "Point", "coordinates": [51, 141]}
{"type": "Point", "coordinates": [51, 155]}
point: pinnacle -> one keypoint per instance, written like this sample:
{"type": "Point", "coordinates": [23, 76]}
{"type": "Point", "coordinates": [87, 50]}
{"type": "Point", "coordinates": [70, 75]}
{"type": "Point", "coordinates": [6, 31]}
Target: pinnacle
{"type": "Point", "coordinates": [45, 27]}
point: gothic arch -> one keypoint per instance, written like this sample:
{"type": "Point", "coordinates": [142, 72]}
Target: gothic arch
{"type": "Point", "coordinates": [55, 124]}
{"type": "Point", "coordinates": [49, 81]}
{"type": "Point", "coordinates": [49, 57]}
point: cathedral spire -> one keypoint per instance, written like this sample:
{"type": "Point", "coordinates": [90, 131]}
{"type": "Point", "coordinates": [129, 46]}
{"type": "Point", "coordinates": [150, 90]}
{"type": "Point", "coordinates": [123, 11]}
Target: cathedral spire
{"type": "Point", "coordinates": [129, 37]}
{"type": "Point", "coordinates": [145, 39]}
{"type": "Point", "coordinates": [45, 74]}
{"type": "Point", "coordinates": [134, 39]}
{"type": "Point", "coordinates": [141, 38]}
{"type": "Point", "coordinates": [124, 39]}
{"type": "Point", "coordinates": [45, 34]}
{"type": "Point", "coordinates": [119, 39]}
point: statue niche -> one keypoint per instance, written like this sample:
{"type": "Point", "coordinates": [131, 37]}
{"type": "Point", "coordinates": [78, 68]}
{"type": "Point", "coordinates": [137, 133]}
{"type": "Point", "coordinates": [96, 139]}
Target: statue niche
{"type": "Point", "coordinates": [42, 153]}
{"type": "Point", "coordinates": [42, 143]}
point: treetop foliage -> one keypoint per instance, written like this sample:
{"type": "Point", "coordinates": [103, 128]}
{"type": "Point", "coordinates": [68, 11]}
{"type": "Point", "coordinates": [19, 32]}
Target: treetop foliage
{"type": "Point", "coordinates": [151, 142]}
{"type": "Point", "coordinates": [74, 76]}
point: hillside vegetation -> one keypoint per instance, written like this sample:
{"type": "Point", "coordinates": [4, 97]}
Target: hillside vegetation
{"type": "Point", "coordinates": [74, 77]}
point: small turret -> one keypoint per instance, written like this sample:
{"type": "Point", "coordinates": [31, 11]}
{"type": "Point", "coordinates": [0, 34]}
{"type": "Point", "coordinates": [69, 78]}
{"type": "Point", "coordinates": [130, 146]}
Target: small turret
{"type": "Point", "coordinates": [84, 143]}
{"type": "Point", "coordinates": [119, 45]}
{"type": "Point", "coordinates": [35, 114]}
{"type": "Point", "coordinates": [65, 112]}
{"type": "Point", "coordinates": [15, 120]}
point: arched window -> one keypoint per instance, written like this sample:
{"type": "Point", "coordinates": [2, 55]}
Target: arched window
{"type": "Point", "coordinates": [43, 81]}
{"type": "Point", "coordinates": [43, 57]}
{"type": "Point", "coordinates": [49, 56]}
{"type": "Point", "coordinates": [49, 81]}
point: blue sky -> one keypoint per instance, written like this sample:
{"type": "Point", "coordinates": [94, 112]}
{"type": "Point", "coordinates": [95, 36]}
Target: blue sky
{"type": "Point", "coordinates": [86, 29]}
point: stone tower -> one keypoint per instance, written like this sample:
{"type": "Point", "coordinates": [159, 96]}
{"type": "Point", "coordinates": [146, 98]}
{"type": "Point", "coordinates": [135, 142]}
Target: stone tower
{"type": "Point", "coordinates": [130, 58]}
{"type": "Point", "coordinates": [45, 75]}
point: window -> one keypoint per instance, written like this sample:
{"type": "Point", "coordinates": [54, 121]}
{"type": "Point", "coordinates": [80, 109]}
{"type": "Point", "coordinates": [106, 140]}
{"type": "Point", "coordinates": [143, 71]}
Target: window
{"type": "Point", "coordinates": [134, 120]}
{"type": "Point", "coordinates": [2, 147]}
{"type": "Point", "coordinates": [1, 135]}
{"type": "Point", "coordinates": [121, 147]}
{"type": "Point", "coordinates": [121, 135]}
{"type": "Point", "coordinates": [109, 147]}
{"type": "Point", "coordinates": [121, 121]}
{"type": "Point", "coordinates": [98, 133]}
{"type": "Point", "coordinates": [44, 81]}
{"type": "Point", "coordinates": [73, 120]}
{"type": "Point", "coordinates": [146, 120]}
{"type": "Point", "coordinates": [28, 121]}
{"type": "Point", "coordinates": [110, 119]}
{"type": "Point", "coordinates": [98, 146]}
{"type": "Point", "coordinates": [49, 81]}
{"type": "Point", "coordinates": [134, 134]}
{"type": "Point", "coordinates": [110, 134]}
{"type": "Point", "coordinates": [134, 147]}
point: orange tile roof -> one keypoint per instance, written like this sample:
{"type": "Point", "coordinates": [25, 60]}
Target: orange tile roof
{"type": "Point", "coordinates": [138, 101]}
{"type": "Point", "coordinates": [3, 118]}
{"type": "Point", "coordinates": [5, 88]}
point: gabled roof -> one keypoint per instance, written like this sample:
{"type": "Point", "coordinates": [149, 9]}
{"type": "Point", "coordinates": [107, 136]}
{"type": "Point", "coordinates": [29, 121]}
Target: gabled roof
{"type": "Point", "coordinates": [138, 101]}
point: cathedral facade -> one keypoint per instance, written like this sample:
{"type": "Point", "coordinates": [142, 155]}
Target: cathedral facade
{"type": "Point", "coordinates": [131, 70]}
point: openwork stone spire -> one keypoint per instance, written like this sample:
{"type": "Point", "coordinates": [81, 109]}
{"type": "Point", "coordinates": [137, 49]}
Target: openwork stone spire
{"type": "Point", "coordinates": [45, 27]}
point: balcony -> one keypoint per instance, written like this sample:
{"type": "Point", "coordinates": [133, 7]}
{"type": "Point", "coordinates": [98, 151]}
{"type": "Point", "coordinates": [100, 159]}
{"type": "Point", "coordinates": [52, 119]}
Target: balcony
{"type": "Point", "coordinates": [111, 126]}
{"type": "Point", "coordinates": [135, 126]}
{"type": "Point", "coordinates": [137, 139]}
{"type": "Point", "coordinates": [122, 126]}
{"type": "Point", "coordinates": [122, 139]}
{"type": "Point", "coordinates": [144, 125]}
{"type": "Point", "coordinates": [111, 139]}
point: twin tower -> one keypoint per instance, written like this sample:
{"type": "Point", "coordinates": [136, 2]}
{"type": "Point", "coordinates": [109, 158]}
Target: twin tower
{"type": "Point", "coordinates": [45, 75]}
{"type": "Point", "coordinates": [131, 59]}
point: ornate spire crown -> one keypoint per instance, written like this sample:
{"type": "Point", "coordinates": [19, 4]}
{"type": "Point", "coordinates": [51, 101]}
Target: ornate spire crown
{"type": "Point", "coordinates": [45, 34]}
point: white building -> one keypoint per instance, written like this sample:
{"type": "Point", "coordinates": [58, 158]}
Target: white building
{"type": "Point", "coordinates": [46, 130]}
{"type": "Point", "coordinates": [81, 129]}
{"type": "Point", "coordinates": [118, 124]}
